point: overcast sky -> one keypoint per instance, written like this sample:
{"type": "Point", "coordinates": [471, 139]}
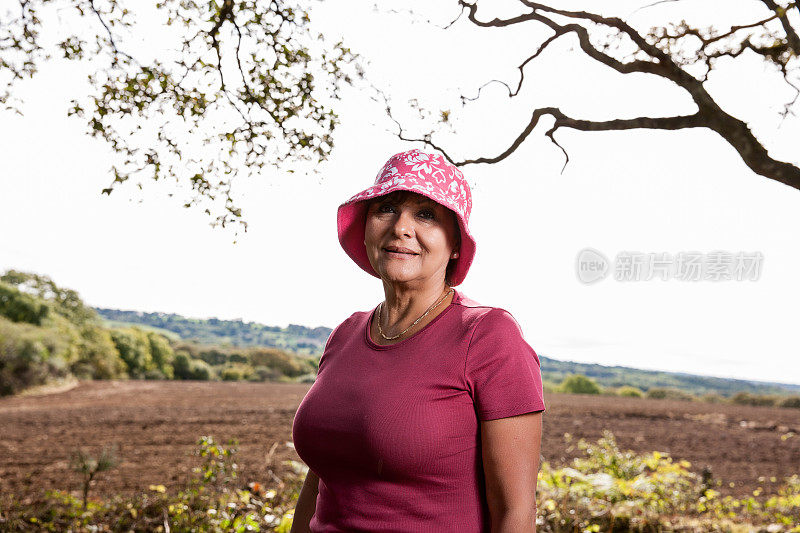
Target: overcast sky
{"type": "Point", "coordinates": [635, 191]}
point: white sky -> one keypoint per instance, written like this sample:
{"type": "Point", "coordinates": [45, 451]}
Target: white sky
{"type": "Point", "coordinates": [641, 191]}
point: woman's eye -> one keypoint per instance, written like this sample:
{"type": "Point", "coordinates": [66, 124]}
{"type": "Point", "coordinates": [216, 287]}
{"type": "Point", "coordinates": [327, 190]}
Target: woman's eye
{"type": "Point", "coordinates": [427, 213]}
{"type": "Point", "coordinates": [385, 208]}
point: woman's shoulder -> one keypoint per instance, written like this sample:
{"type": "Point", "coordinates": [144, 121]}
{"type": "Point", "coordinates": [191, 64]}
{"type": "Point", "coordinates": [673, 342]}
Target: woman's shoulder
{"type": "Point", "coordinates": [354, 321]}
{"type": "Point", "coordinates": [352, 325]}
{"type": "Point", "coordinates": [473, 313]}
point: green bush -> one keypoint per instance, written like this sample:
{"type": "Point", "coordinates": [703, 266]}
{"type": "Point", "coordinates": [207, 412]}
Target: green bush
{"type": "Point", "coordinates": [143, 351]}
{"type": "Point", "coordinates": [231, 374]}
{"type": "Point", "coordinates": [284, 362]}
{"type": "Point", "coordinates": [712, 397]}
{"type": "Point", "coordinates": [200, 370]}
{"type": "Point", "coordinates": [579, 384]}
{"type": "Point", "coordinates": [236, 372]}
{"type": "Point", "coordinates": [181, 365]}
{"type": "Point", "coordinates": [161, 353]}
{"type": "Point", "coordinates": [238, 358]}
{"type": "Point", "coordinates": [264, 373]}
{"type": "Point", "coordinates": [791, 401]}
{"type": "Point", "coordinates": [184, 367]}
{"type": "Point", "coordinates": [30, 356]}
{"type": "Point", "coordinates": [213, 356]}
{"type": "Point", "coordinates": [133, 346]}
{"type": "Point", "coordinates": [97, 354]}
{"type": "Point", "coordinates": [613, 490]}
{"type": "Point", "coordinates": [631, 392]}
{"type": "Point", "coordinates": [745, 398]}
{"type": "Point", "coordinates": [669, 393]}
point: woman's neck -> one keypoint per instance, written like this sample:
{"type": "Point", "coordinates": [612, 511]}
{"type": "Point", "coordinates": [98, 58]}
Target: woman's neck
{"type": "Point", "coordinates": [403, 306]}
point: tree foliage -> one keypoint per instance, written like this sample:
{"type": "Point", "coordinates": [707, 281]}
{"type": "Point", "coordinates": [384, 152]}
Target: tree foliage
{"type": "Point", "coordinates": [579, 384]}
{"type": "Point", "coordinates": [680, 53]}
{"type": "Point", "coordinates": [65, 302]}
{"type": "Point", "coordinates": [232, 86]}
{"type": "Point", "coordinates": [20, 307]}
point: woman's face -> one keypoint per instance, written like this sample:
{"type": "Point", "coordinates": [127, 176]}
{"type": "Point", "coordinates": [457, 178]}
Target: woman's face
{"type": "Point", "coordinates": [409, 237]}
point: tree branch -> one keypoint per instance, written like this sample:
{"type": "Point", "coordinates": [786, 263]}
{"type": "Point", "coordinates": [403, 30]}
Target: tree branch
{"type": "Point", "coordinates": [791, 34]}
{"type": "Point", "coordinates": [709, 114]}
{"type": "Point", "coordinates": [117, 51]}
{"type": "Point", "coordinates": [564, 121]}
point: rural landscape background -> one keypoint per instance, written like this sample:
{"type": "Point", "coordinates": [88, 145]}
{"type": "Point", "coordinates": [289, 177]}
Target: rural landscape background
{"type": "Point", "coordinates": [76, 380]}
{"type": "Point", "coordinates": [170, 273]}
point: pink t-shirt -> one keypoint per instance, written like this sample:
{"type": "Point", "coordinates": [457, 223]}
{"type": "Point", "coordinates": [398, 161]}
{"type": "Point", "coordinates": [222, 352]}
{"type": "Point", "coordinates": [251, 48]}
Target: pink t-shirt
{"type": "Point", "coordinates": [393, 432]}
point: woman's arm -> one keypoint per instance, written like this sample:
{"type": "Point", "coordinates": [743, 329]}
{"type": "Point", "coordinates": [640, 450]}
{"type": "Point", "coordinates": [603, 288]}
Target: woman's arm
{"type": "Point", "coordinates": [306, 504]}
{"type": "Point", "coordinates": [511, 448]}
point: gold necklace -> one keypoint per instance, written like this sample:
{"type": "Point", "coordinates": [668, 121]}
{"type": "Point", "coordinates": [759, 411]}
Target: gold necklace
{"type": "Point", "coordinates": [380, 310]}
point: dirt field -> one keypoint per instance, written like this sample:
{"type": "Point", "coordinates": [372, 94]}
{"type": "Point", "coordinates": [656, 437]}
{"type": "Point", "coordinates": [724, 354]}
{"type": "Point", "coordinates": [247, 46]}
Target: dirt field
{"type": "Point", "coordinates": [157, 424]}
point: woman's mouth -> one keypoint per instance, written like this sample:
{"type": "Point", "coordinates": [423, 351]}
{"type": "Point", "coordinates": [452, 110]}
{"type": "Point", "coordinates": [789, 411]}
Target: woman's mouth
{"type": "Point", "coordinates": [400, 253]}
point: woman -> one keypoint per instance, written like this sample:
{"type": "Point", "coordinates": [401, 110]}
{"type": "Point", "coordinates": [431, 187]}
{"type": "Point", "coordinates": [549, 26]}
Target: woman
{"type": "Point", "coordinates": [426, 414]}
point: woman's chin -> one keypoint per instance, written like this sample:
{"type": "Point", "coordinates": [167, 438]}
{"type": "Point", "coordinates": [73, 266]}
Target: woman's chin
{"type": "Point", "coordinates": [399, 275]}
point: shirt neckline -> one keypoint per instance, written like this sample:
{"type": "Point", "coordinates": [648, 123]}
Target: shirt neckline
{"type": "Point", "coordinates": [375, 346]}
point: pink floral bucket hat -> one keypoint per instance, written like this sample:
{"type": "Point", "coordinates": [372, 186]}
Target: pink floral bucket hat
{"type": "Point", "coordinates": [427, 174]}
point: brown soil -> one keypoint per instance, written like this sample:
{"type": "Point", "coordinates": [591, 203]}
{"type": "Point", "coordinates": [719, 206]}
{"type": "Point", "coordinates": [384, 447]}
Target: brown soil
{"type": "Point", "coordinates": [157, 424]}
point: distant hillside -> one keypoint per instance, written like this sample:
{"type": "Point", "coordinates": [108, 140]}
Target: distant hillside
{"type": "Point", "coordinates": [298, 339]}
{"type": "Point", "coordinates": [308, 341]}
{"type": "Point", "coordinates": [555, 371]}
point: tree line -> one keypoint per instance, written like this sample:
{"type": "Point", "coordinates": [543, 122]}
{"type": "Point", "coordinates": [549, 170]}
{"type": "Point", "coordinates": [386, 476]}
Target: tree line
{"type": "Point", "coordinates": [47, 333]}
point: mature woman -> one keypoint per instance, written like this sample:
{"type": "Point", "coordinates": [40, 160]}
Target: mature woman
{"type": "Point", "coordinates": [426, 414]}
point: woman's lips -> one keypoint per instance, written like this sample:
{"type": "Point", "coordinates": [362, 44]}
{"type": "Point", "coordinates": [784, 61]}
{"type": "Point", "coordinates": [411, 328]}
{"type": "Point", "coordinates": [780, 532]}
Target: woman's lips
{"type": "Point", "coordinates": [399, 255]}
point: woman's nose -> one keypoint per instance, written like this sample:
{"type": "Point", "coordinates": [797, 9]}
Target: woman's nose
{"type": "Point", "coordinates": [404, 223]}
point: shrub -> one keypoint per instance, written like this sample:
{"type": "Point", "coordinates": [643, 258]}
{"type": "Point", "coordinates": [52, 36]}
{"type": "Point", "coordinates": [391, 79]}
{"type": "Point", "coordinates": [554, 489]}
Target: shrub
{"type": "Point", "coordinates": [791, 401]}
{"type": "Point", "coordinates": [30, 356]}
{"type": "Point", "coordinates": [181, 365]}
{"type": "Point", "coordinates": [161, 353]}
{"type": "Point", "coordinates": [631, 392]}
{"type": "Point", "coordinates": [745, 398]}
{"type": "Point", "coordinates": [263, 373]}
{"type": "Point", "coordinates": [98, 357]}
{"type": "Point", "coordinates": [231, 374]}
{"type": "Point", "coordinates": [213, 356]}
{"type": "Point", "coordinates": [712, 397]}
{"type": "Point", "coordinates": [669, 393]}
{"type": "Point", "coordinates": [133, 346]}
{"type": "Point", "coordinates": [238, 358]}
{"type": "Point", "coordinates": [88, 466]}
{"type": "Point", "coordinates": [200, 370]}
{"type": "Point", "coordinates": [284, 362]}
{"type": "Point", "coordinates": [613, 490]}
{"type": "Point", "coordinates": [579, 384]}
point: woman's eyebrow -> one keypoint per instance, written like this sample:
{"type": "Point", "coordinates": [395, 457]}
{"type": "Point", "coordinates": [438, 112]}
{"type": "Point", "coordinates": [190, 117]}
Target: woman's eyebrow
{"type": "Point", "coordinates": [426, 202]}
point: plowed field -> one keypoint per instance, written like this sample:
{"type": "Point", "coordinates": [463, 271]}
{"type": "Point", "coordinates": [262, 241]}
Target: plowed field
{"type": "Point", "coordinates": [157, 424]}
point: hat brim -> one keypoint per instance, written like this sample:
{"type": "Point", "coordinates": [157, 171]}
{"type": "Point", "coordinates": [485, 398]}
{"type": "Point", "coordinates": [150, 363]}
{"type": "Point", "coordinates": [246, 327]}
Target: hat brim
{"type": "Point", "coordinates": [351, 221]}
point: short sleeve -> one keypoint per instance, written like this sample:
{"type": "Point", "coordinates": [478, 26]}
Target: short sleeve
{"type": "Point", "coordinates": [331, 340]}
{"type": "Point", "coordinates": [502, 370]}
{"type": "Point", "coordinates": [323, 357]}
